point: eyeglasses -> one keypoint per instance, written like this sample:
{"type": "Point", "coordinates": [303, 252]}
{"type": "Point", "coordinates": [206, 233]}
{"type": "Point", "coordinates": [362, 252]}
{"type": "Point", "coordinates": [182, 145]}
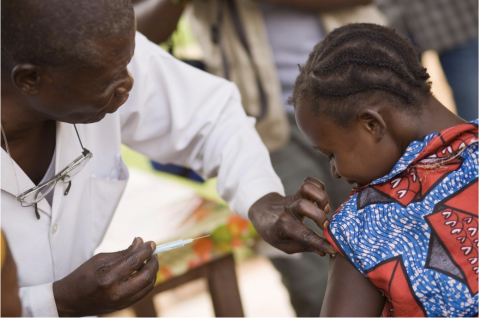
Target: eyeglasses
{"type": "Point", "coordinates": [38, 193]}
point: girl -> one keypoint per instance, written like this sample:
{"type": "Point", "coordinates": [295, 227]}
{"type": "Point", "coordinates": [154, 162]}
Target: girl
{"type": "Point", "coordinates": [407, 237]}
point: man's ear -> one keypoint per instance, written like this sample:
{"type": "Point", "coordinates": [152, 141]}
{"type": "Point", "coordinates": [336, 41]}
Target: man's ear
{"type": "Point", "coordinates": [27, 78]}
{"type": "Point", "coordinates": [373, 122]}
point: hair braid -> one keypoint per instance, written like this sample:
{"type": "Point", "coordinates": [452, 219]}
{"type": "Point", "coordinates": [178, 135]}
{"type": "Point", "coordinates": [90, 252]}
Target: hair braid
{"type": "Point", "coordinates": [358, 59]}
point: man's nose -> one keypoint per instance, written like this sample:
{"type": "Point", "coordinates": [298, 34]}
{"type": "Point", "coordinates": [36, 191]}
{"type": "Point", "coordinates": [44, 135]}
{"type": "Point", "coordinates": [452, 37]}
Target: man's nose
{"type": "Point", "coordinates": [333, 170]}
{"type": "Point", "coordinates": [126, 85]}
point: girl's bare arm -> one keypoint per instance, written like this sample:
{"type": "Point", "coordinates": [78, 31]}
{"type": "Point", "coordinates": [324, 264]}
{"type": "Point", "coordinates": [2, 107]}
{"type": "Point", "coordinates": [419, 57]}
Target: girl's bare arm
{"type": "Point", "coordinates": [349, 293]}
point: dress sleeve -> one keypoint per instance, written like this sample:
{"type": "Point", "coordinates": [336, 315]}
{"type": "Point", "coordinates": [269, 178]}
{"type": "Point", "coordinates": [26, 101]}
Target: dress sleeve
{"type": "Point", "coordinates": [178, 114]}
{"type": "Point", "coordinates": [342, 233]}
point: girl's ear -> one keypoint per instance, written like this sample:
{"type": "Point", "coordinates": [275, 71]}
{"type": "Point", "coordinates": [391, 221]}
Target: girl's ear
{"type": "Point", "coordinates": [373, 123]}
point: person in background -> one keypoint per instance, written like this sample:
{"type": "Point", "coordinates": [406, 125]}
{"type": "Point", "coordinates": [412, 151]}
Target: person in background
{"type": "Point", "coordinates": [258, 45]}
{"type": "Point", "coordinates": [449, 27]}
{"type": "Point", "coordinates": [11, 306]}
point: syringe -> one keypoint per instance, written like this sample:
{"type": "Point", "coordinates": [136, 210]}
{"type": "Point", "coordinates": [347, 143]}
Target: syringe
{"type": "Point", "coordinates": [174, 244]}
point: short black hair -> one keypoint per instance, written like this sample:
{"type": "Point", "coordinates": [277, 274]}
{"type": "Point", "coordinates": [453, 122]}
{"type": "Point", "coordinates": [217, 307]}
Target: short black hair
{"type": "Point", "coordinates": [61, 33]}
{"type": "Point", "coordinates": [357, 61]}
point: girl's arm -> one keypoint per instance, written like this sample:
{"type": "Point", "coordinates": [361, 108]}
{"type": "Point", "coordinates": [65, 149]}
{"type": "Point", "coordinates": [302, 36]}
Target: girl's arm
{"type": "Point", "coordinates": [349, 293]}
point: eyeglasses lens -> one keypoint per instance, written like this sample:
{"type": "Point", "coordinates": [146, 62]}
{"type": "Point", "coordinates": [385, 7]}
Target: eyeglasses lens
{"type": "Point", "coordinates": [38, 195]}
{"type": "Point", "coordinates": [75, 170]}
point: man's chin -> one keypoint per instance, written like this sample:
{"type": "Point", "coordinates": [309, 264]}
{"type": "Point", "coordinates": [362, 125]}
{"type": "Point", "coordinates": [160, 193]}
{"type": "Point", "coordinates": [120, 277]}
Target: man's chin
{"type": "Point", "coordinates": [96, 119]}
{"type": "Point", "coordinates": [90, 120]}
{"type": "Point", "coordinates": [98, 116]}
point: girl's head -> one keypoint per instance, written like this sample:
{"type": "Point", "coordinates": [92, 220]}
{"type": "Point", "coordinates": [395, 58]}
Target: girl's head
{"type": "Point", "coordinates": [357, 87]}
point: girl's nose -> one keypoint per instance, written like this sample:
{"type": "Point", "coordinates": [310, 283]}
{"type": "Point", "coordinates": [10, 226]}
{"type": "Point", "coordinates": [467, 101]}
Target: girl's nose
{"type": "Point", "coordinates": [333, 170]}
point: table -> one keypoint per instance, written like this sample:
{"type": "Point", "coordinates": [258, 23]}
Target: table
{"type": "Point", "coordinates": [182, 213]}
{"type": "Point", "coordinates": [222, 284]}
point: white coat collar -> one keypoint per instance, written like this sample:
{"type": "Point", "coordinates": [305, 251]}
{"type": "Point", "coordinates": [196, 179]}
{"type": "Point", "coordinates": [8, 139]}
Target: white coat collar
{"type": "Point", "coordinates": [15, 181]}
{"type": "Point", "coordinates": [67, 149]}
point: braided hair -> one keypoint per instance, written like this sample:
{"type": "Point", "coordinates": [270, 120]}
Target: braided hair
{"type": "Point", "coordinates": [357, 61]}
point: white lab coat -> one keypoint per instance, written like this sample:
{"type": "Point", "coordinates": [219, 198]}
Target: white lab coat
{"type": "Point", "coordinates": [175, 114]}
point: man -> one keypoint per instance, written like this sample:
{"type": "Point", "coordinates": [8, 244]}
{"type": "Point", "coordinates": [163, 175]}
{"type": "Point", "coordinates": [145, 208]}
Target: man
{"type": "Point", "coordinates": [65, 63]}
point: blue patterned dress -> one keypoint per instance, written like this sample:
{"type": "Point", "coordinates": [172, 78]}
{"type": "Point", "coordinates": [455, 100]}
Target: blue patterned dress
{"type": "Point", "coordinates": [414, 232]}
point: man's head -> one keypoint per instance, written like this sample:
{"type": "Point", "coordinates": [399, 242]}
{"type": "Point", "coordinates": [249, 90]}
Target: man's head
{"type": "Point", "coordinates": [67, 59]}
{"type": "Point", "coordinates": [357, 83]}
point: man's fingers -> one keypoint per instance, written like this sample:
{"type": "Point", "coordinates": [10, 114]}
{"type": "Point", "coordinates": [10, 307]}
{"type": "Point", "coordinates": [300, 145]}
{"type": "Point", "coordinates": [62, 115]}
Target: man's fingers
{"type": "Point", "coordinates": [139, 295]}
{"type": "Point", "coordinates": [148, 287]}
{"type": "Point", "coordinates": [113, 257]}
{"type": "Point", "coordinates": [315, 182]}
{"type": "Point", "coordinates": [307, 208]}
{"type": "Point", "coordinates": [146, 276]}
{"type": "Point", "coordinates": [138, 285]}
{"type": "Point", "coordinates": [300, 233]}
{"type": "Point", "coordinates": [313, 193]}
{"type": "Point", "coordinates": [132, 261]}
{"type": "Point", "coordinates": [136, 242]}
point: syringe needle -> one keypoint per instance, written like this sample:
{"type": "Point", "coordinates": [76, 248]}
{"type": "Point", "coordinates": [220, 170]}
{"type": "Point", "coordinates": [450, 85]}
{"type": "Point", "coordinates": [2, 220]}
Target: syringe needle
{"type": "Point", "coordinates": [175, 244]}
{"type": "Point", "coordinates": [201, 237]}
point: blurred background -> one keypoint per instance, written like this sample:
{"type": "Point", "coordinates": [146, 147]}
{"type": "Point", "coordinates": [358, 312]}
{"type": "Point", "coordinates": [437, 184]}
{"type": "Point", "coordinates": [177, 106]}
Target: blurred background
{"type": "Point", "coordinates": [270, 283]}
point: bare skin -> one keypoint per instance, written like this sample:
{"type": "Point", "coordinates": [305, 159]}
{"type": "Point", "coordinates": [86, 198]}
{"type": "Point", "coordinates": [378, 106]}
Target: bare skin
{"type": "Point", "coordinates": [157, 19]}
{"type": "Point", "coordinates": [364, 151]}
{"type": "Point", "coordinates": [379, 128]}
{"type": "Point", "coordinates": [108, 282]}
{"type": "Point", "coordinates": [349, 293]}
{"type": "Point", "coordinates": [279, 220]}
{"type": "Point", "coordinates": [34, 97]}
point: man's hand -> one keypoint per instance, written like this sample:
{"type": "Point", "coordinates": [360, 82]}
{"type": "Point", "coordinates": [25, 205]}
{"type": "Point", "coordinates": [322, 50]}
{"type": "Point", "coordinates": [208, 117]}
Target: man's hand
{"type": "Point", "coordinates": [279, 220]}
{"type": "Point", "coordinates": [108, 282]}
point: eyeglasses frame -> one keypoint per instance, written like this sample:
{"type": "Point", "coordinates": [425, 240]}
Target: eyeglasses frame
{"type": "Point", "coordinates": [86, 155]}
